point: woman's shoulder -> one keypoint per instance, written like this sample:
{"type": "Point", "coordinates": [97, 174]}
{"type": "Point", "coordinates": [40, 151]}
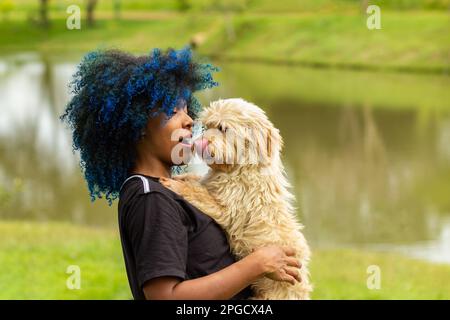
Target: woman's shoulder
{"type": "Point", "coordinates": [145, 189]}
{"type": "Point", "coordinates": [140, 189]}
{"type": "Point", "coordinates": [141, 184]}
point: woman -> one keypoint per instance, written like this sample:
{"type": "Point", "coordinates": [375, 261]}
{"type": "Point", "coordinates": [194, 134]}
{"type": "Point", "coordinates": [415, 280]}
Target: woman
{"type": "Point", "coordinates": [127, 115]}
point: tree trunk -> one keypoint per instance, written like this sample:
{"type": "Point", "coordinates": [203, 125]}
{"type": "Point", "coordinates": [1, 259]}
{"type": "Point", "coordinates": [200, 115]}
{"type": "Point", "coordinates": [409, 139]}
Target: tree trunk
{"type": "Point", "coordinates": [117, 9]}
{"type": "Point", "coordinates": [90, 11]}
{"type": "Point", "coordinates": [364, 5]}
{"type": "Point", "coordinates": [183, 5]}
{"type": "Point", "coordinates": [43, 13]}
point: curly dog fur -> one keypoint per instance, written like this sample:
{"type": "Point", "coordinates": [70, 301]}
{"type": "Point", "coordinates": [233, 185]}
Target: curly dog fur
{"type": "Point", "coordinates": [250, 201]}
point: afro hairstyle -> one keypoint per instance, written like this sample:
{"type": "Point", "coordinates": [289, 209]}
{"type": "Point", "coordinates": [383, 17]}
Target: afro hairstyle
{"type": "Point", "coordinates": [113, 96]}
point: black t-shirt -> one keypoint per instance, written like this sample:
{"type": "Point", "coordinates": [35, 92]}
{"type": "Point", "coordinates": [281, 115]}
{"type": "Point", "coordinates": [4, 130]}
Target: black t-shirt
{"type": "Point", "coordinates": [164, 235]}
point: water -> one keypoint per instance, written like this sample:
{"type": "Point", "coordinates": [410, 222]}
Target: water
{"type": "Point", "coordinates": [368, 154]}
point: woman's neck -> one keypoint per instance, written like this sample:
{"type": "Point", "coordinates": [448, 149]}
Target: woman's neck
{"type": "Point", "coordinates": [151, 166]}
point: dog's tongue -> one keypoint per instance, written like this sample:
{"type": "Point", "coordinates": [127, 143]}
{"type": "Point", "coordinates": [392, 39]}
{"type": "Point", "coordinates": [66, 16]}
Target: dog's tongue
{"type": "Point", "coordinates": [200, 146]}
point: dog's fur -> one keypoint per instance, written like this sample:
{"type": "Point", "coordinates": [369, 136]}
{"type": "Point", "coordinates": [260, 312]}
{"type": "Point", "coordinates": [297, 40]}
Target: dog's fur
{"type": "Point", "coordinates": [250, 201]}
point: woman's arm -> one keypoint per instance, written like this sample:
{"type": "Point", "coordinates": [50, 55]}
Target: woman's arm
{"type": "Point", "coordinates": [276, 262]}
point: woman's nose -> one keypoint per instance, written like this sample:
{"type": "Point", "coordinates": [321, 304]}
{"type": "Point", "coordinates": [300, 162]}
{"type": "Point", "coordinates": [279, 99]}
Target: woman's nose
{"type": "Point", "coordinates": [188, 122]}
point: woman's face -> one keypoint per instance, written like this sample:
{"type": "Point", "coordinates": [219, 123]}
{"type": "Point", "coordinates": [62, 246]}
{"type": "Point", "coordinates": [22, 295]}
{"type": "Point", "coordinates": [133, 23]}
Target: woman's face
{"type": "Point", "coordinates": [167, 140]}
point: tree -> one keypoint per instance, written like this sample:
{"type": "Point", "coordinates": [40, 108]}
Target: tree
{"type": "Point", "coordinates": [183, 5]}
{"type": "Point", "coordinates": [43, 13]}
{"type": "Point", "coordinates": [364, 5]}
{"type": "Point", "coordinates": [117, 9]}
{"type": "Point", "coordinates": [91, 4]}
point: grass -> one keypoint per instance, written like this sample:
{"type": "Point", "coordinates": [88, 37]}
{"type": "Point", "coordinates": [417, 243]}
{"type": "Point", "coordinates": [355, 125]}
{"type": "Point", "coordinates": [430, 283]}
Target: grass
{"type": "Point", "coordinates": [247, 5]}
{"type": "Point", "coordinates": [132, 35]}
{"type": "Point", "coordinates": [34, 258]}
{"type": "Point", "coordinates": [411, 40]}
{"type": "Point", "coordinates": [342, 274]}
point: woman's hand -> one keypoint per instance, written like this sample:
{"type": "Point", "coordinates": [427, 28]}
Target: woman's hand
{"type": "Point", "coordinates": [278, 263]}
{"type": "Point", "coordinates": [274, 262]}
{"type": "Point", "coordinates": [177, 186]}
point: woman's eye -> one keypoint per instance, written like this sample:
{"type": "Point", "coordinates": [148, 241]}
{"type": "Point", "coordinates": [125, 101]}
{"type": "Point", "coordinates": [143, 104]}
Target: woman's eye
{"type": "Point", "coordinates": [176, 110]}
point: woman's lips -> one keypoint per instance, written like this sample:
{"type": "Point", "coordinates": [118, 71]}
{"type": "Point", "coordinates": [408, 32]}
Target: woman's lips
{"type": "Point", "coordinates": [186, 141]}
{"type": "Point", "coordinates": [198, 146]}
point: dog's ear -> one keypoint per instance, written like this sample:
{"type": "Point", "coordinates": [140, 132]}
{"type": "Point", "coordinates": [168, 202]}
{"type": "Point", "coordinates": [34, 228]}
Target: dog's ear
{"type": "Point", "coordinates": [272, 144]}
{"type": "Point", "coordinates": [269, 143]}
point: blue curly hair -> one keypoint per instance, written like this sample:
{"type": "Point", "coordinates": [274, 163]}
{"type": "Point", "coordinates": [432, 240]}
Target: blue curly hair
{"type": "Point", "coordinates": [114, 95]}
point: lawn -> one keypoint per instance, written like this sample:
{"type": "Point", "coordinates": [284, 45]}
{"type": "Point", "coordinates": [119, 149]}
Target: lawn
{"type": "Point", "coordinates": [34, 258]}
{"type": "Point", "coordinates": [336, 37]}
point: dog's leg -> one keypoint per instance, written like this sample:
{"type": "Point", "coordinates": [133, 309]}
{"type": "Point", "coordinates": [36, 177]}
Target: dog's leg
{"type": "Point", "coordinates": [198, 196]}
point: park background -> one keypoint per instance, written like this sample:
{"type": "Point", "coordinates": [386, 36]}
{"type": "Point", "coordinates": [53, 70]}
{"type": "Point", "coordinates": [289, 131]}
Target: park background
{"type": "Point", "coordinates": [365, 115]}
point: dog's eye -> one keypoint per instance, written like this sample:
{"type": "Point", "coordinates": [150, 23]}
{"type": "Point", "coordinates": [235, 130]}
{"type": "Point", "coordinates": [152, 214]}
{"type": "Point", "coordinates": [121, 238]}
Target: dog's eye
{"type": "Point", "coordinates": [223, 129]}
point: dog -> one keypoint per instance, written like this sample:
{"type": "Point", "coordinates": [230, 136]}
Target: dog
{"type": "Point", "coordinates": [246, 190]}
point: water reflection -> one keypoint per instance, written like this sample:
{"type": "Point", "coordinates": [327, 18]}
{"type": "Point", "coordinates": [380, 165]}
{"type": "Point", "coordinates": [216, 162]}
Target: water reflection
{"type": "Point", "coordinates": [363, 175]}
{"type": "Point", "coordinates": [362, 179]}
{"type": "Point", "coordinates": [40, 177]}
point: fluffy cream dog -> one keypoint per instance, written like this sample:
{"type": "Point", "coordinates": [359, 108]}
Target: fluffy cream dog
{"type": "Point", "coordinates": [246, 190]}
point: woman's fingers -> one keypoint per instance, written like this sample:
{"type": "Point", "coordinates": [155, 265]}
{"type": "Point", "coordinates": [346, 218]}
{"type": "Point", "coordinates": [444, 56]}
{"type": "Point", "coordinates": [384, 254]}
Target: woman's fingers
{"type": "Point", "coordinates": [170, 184]}
{"type": "Point", "coordinates": [174, 185]}
{"type": "Point", "coordinates": [293, 262]}
{"type": "Point", "coordinates": [186, 177]}
{"type": "Point", "coordinates": [287, 277]}
{"type": "Point", "coordinates": [180, 177]}
{"type": "Point", "coordinates": [289, 251]}
{"type": "Point", "coordinates": [293, 272]}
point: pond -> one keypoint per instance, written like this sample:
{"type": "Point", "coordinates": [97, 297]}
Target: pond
{"type": "Point", "coordinates": [368, 153]}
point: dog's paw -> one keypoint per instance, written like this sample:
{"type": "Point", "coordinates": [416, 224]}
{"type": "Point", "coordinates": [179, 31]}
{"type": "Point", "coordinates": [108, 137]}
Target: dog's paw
{"type": "Point", "coordinates": [177, 186]}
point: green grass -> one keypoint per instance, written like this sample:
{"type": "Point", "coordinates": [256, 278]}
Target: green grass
{"type": "Point", "coordinates": [34, 258]}
{"type": "Point", "coordinates": [138, 36]}
{"type": "Point", "coordinates": [247, 5]}
{"type": "Point", "coordinates": [342, 274]}
{"type": "Point", "coordinates": [413, 40]}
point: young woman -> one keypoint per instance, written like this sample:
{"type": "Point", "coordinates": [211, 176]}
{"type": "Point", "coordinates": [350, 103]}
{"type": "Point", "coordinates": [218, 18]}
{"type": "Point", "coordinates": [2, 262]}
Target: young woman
{"type": "Point", "coordinates": [127, 115]}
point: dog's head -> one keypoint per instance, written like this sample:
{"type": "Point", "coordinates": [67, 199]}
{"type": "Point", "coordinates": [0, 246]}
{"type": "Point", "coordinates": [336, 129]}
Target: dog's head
{"type": "Point", "coordinates": [238, 133]}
